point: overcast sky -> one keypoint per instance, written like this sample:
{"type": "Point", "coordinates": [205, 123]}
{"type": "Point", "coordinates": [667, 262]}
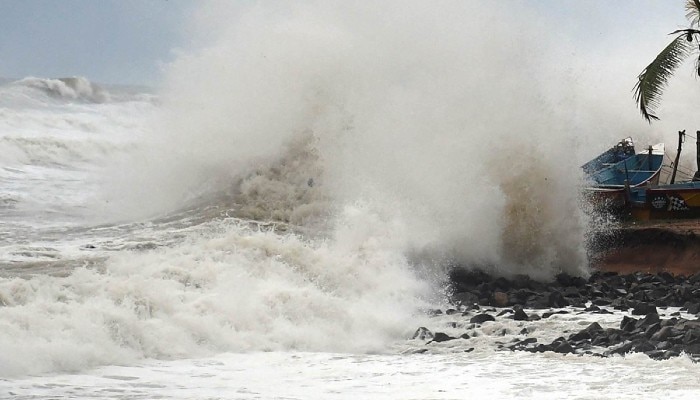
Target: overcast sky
{"type": "Point", "coordinates": [113, 41]}
{"type": "Point", "coordinates": [129, 41]}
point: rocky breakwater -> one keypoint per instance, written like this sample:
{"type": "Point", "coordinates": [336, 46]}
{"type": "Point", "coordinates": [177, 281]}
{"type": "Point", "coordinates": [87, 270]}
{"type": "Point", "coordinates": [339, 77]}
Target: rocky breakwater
{"type": "Point", "coordinates": [654, 314]}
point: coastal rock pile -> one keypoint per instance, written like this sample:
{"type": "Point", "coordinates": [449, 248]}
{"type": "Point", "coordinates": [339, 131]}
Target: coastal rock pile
{"type": "Point", "coordinates": [640, 292]}
{"type": "Point", "coordinates": [637, 297]}
{"type": "Point", "coordinates": [658, 338]}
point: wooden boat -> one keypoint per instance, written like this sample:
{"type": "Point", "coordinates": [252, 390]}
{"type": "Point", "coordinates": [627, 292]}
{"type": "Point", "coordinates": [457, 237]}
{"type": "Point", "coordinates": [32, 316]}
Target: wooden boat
{"type": "Point", "coordinates": [630, 188]}
{"type": "Point", "coordinates": [673, 201]}
{"type": "Point", "coordinates": [639, 169]}
{"type": "Point", "coordinates": [610, 185]}
{"type": "Point", "coordinates": [622, 150]}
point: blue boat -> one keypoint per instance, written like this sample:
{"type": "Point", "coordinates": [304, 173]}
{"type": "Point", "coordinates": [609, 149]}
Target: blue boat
{"type": "Point", "coordinates": [622, 150]}
{"type": "Point", "coordinates": [611, 185]}
{"type": "Point", "coordinates": [630, 187]}
{"type": "Point", "coordinates": [643, 168]}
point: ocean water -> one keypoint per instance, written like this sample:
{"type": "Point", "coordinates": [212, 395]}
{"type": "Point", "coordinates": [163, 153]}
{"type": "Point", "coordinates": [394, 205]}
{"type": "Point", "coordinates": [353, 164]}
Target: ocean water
{"type": "Point", "coordinates": [274, 220]}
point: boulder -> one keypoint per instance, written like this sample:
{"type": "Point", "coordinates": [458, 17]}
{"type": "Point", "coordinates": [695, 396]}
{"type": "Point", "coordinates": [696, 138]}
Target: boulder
{"type": "Point", "coordinates": [643, 309]}
{"type": "Point", "coordinates": [562, 347]}
{"type": "Point", "coordinates": [520, 315]}
{"type": "Point", "coordinates": [500, 299]}
{"type": "Point", "coordinates": [557, 300]}
{"type": "Point", "coordinates": [423, 333]}
{"type": "Point", "coordinates": [442, 337]}
{"type": "Point", "coordinates": [481, 318]}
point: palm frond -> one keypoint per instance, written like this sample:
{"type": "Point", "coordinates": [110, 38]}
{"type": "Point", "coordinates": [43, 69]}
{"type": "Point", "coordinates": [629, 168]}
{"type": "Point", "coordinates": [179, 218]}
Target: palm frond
{"type": "Point", "coordinates": [654, 78]}
{"type": "Point", "coordinates": [692, 11]}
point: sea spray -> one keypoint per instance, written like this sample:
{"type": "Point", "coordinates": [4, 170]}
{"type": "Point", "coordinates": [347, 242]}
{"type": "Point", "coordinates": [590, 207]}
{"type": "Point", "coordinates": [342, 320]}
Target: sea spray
{"type": "Point", "coordinates": [421, 116]}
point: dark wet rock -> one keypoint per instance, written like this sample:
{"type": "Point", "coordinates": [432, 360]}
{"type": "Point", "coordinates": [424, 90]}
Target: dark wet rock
{"type": "Point", "coordinates": [423, 333]}
{"type": "Point", "coordinates": [465, 298]}
{"type": "Point", "coordinates": [464, 336]}
{"type": "Point", "coordinates": [663, 334]}
{"type": "Point", "coordinates": [533, 317]}
{"type": "Point", "coordinates": [550, 313]}
{"type": "Point", "coordinates": [481, 318]}
{"type": "Point", "coordinates": [649, 319]}
{"type": "Point", "coordinates": [642, 346]}
{"type": "Point", "coordinates": [522, 344]}
{"type": "Point", "coordinates": [501, 283]}
{"type": "Point", "coordinates": [451, 311]}
{"type": "Point", "coordinates": [564, 279]}
{"type": "Point", "coordinates": [622, 348]}
{"type": "Point", "coordinates": [520, 315]}
{"type": "Point", "coordinates": [563, 347]}
{"type": "Point", "coordinates": [442, 337]}
{"type": "Point", "coordinates": [628, 324]}
{"type": "Point", "coordinates": [538, 302]}
{"type": "Point", "coordinates": [556, 299]}
{"type": "Point", "coordinates": [693, 349]}
{"type": "Point", "coordinates": [641, 294]}
{"type": "Point", "coordinates": [521, 281]}
{"type": "Point", "coordinates": [644, 309]}
{"type": "Point", "coordinates": [693, 308]}
{"type": "Point", "coordinates": [652, 329]}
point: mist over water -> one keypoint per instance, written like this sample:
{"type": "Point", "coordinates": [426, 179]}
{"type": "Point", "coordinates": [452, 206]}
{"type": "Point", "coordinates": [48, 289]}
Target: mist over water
{"type": "Point", "coordinates": [438, 117]}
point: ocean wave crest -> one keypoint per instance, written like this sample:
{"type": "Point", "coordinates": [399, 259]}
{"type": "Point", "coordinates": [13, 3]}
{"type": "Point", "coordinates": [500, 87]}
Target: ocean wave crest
{"type": "Point", "coordinates": [71, 88]}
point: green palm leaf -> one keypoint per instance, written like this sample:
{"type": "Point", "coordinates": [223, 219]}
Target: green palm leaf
{"type": "Point", "coordinates": [653, 80]}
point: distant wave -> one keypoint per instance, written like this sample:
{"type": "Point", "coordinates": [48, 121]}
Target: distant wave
{"type": "Point", "coordinates": [72, 88]}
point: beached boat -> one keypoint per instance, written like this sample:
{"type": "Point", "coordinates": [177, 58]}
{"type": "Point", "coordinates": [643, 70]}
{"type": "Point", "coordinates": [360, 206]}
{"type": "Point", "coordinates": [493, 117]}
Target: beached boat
{"type": "Point", "coordinates": [677, 200]}
{"type": "Point", "coordinates": [673, 201]}
{"type": "Point", "coordinates": [630, 188]}
{"type": "Point", "coordinates": [622, 150]}
{"type": "Point", "coordinates": [610, 183]}
{"type": "Point", "coordinates": [642, 168]}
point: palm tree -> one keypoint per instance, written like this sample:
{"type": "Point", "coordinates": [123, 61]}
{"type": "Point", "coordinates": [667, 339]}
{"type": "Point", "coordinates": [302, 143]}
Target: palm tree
{"type": "Point", "coordinates": [654, 78]}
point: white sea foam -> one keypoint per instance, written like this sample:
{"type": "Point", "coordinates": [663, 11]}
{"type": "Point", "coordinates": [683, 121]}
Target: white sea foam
{"type": "Point", "coordinates": [236, 291]}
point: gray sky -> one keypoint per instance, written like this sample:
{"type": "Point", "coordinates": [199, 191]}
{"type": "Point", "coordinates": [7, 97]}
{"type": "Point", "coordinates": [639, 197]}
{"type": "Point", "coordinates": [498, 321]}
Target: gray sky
{"type": "Point", "coordinates": [112, 41]}
{"type": "Point", "coordinates": [128, 41]}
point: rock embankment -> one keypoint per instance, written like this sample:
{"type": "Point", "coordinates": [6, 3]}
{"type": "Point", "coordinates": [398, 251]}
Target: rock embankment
{"type": "Point", "coordinates": [638, 298]}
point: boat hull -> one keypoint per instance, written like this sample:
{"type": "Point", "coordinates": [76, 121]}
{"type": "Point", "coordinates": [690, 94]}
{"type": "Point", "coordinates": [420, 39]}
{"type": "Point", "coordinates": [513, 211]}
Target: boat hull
{"type": "Point", "coordinates": [669, 202]}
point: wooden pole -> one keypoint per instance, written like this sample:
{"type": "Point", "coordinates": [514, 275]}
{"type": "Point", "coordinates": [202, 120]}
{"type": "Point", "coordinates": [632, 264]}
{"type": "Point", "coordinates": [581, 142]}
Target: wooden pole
{"type": "Point", "coordinates": [678, 155]}
{"type": "Point", "coordinates": [696, 177]}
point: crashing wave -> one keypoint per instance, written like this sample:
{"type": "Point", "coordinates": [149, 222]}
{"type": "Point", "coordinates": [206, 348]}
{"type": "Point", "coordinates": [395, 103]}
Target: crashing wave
{"type": "Point", "coordinates": [72, 88]}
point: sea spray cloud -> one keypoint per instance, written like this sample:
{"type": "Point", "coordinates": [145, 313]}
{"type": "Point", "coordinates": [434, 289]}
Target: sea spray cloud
{"type": "Point", "coordinates": [434, 112]}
